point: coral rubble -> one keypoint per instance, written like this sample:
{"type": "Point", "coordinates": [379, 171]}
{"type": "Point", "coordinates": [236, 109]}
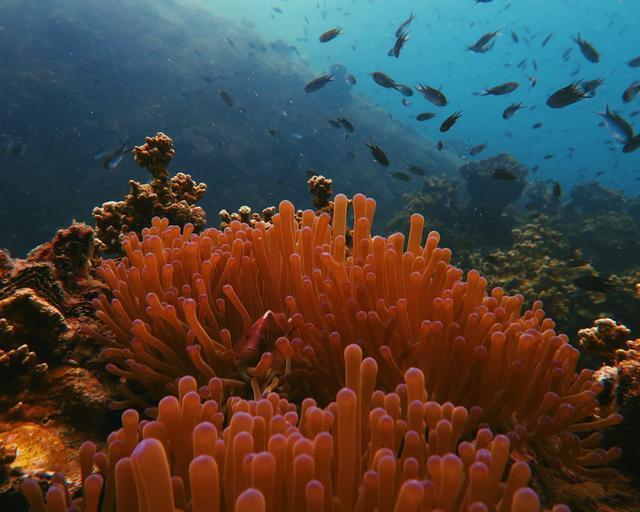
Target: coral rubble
{"type": "Point", "coordinates": [172, 197]}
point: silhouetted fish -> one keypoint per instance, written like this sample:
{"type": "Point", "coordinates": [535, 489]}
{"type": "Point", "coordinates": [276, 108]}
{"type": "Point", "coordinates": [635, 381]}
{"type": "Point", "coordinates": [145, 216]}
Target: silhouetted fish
{"type": "Point", "coordinates": [402, 176]}
{"type": "Point", "coordinates": [557, 189]}
{"type": "Point", "coordinates": [226, 97]}
{"type": "Point", "coordinates": [401, 40]}
{"type": "Point", "coordinates": [511, 110]}
{"type": "Point", "coordinates": [318, 83]}
{"type": "Point", "coordinates": [435, 96]}
{"type": "Point", "coordinates": [632, 144]}
{"type": "Point", "coordinates": [546, 40]}
{"type": "Point", "coordinates": [475, 150]}
{"type": "Point", "coordinates": [617, 125]}
{"type": "Point", "coordinates": [377, 153]}
{"type": "Point", "coordinates": [414, 169]}
{"type": "Point", "coordinates": [501, 89]}
{"type": "Point", "coordinates": [425, 116]}
{"type": "Point", "coordinates": [450, 121]}
{"type": "Point", "coordinates": [440, 145]}
{"type": "Point", "coordinates": [594, 283]}
{"type": "Point", "coordinates": [590, 86]}
{"type": "Point", "coordinates": [404, 24]}
{"type": "Point", "coordinates": [587, 49]}
{"type": "Point", "coordinates": [330, 34]}
{"type": "Point", "coordinates": [503, 175]}
{"type": "Point", "coordinates": [345, 123]}
{"type": "Point", "coordinates": [482, 45]}
{"type": "Point", "coordinates": [631, 92]}
{"type": "Point", "coordinates": [566, 96]}
{"type": "Point", "coordinates": [634, 63]}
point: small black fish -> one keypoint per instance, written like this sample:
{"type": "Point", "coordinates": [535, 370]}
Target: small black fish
{"type": "Point", "coordinates": [617, 125]}
{"type": "Point", "coordinates": [425, 116]}
{"type": "Point", "coordinates": [594, 283]}
{"type": "Point", "coordinates": [404, 25]}
{"type": "Point", "coordinates": [475, 150]}
{"type": "Point", "coordinates": [546, 40]}
{"type": "Point", "coordinates": [440, 145]}
{"type": "Point", "coordinates": [435, 96]}
{"type": "Point", "coordinates": [536, 126]}
{"type": "Point", "coordinates": [318, 83]}
{"type": "Point", "coordinates": [631, 92]}
{"type": "Point", "coordinates": [330, 34]}
{"type": "Point", "coordinates": [334, 122]}
{"type": "Point", "coordinates": [590, 86]}
{"type": "Point", "coordinates": [503, 175]}
{"type": "Point", "coordinates": [634, 63]}
{"type": "Point", "coordinates": [511, 110]}
{"type": "Point", "coordinates": [399, 175]}
{"type": "Point", "coordinates": [501, 89]}
{"type": "Point", "coordinates": [384, 80]}
{"type": "Point", "coordinates": [482, 45]}
{"type": "Point", "coordinates": [515, 37]}
{"type": "Point", "coordinates": [532, 81]}
{"type": "Point", "coordinates": [632, 144]}
{"type": "Point", "coordinates": [414, 169]}
{"type": "Point", "coordinates": [549, 157]}
{"type": "Point", "coordinates": [351, 80]}
{"type": "Point", "coordinates": [377, 153]}
{"type": "Point", "coordinates": [575, 262]}
{"type": "Point", "coordinates": [557, 189]}
{"type": "Point", "coordinates": [226, 97]}
{"type": "Point", "coordinates": [399, 44]}
{"type": "Point", "coordinates": [404, 90]}
{"type": "Point", "coordinates": [274, 133]}
{"type": "Point", "coordinates": [345, 124]}
{"type": "Point", "coordinates": [587, 49]}
{"type": "Point", "coordinates": [450, 121]}
{"type": "Point", "coordinates": [566, 96]}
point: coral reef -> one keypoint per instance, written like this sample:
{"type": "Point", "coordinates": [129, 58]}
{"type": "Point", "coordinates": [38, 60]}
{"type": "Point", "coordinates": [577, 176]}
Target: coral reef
{"type": "Point", "coordinates": [621, 380]}
{"type": "Point", "coordinates": [321, 190]}
{"type": "Point", "coordinates": [44, 300]}
{"type": "Point", "coordinates": [269, 309]}
{"type": "Point", "coordinates": [366, 451]}
{"type": "Point", "coordinates": [173, 198]}
{"type": "Point", "coordinates": [603, 339]}
{"type": "Point", "coordinates": [490, 197]}
{"type": "Point", "coordinates": [440, 204]}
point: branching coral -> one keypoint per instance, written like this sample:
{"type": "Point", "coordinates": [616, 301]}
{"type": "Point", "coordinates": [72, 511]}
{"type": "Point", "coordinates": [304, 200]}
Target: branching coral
{"type": "Point", "coordinates": [366, 451]}
{"type": "Point", "coordinates": [173, 198]}
{"type": "Point", "coordinates": [276, 307]}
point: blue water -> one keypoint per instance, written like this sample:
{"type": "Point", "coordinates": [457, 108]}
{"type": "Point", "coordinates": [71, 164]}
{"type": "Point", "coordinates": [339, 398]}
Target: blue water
{"type": "Point", "coordinates": [436, 55]}
{"type": "Point", "coordinates": [77, 76]}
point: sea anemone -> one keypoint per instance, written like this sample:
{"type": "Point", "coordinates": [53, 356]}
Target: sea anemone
{"type": "Point", "coordinates": [275, 307]}
{"type": "Point", "coordinates": [367, 451]}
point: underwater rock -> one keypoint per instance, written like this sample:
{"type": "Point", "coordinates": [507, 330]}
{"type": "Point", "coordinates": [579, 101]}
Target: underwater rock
{"type": "Point", "coordinates": [488, 194]}
{"type": "Point", "coordinates": [621, 380]}
{"type": "Point", "coordinates": [603, 339]}
{"type": "Point", "coordinates": [170, 197]}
